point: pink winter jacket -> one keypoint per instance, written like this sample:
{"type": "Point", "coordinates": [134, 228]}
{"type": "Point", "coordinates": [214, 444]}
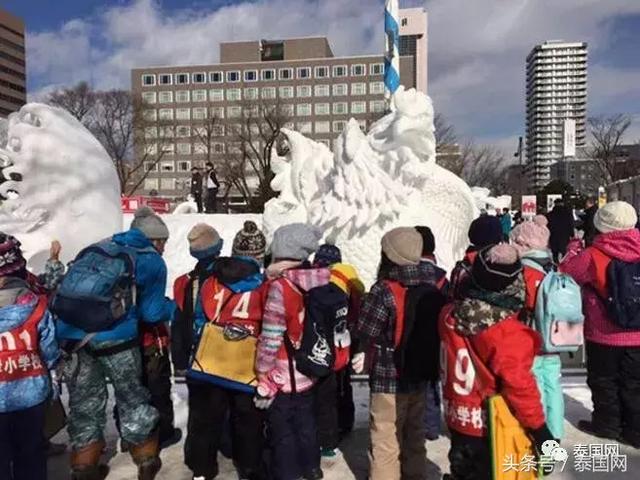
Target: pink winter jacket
{"type": "Point", "coordinates": [598, 327]}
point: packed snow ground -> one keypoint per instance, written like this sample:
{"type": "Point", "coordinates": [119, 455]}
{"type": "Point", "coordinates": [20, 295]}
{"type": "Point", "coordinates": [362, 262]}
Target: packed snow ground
{"type": "Point", "coordinates": [352, 463]}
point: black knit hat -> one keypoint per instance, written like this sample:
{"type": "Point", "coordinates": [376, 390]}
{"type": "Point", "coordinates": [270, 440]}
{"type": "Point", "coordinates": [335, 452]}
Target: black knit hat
{"type": "Point", "coordinates": [428, 240]}
{"type": "Point", "coordinates": [496, 267]}
{"type": "Point", "coordinates": [327, 255]}
{"type": "Point", "coordinates": [485, 230]}
{"type": "Point", "coordinates": [249, 242]}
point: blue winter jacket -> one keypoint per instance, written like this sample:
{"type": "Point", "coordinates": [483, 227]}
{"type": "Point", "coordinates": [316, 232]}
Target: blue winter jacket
{"type": "Point", "coordinates": [28, 392]}
{"type": "Point", "coordinates": [151, 304]}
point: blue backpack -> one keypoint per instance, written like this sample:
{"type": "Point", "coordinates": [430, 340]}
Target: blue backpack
{"type": "Point", "coordinates": [98, 289]}
{"type": "Point", "coordinates": [558, 311]}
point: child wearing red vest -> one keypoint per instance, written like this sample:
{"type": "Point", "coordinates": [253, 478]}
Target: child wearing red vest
{"type": "Point", "coordinates": [488, 350]}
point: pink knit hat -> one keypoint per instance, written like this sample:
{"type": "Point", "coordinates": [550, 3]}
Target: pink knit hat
{"type": "Point", "coordinates": [531, 235]}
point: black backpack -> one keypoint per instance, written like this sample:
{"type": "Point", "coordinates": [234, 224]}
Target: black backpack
{"type": "Point", "coordinates": [623, 285]}
{"type": "Point", "coordinates": [326, 307]}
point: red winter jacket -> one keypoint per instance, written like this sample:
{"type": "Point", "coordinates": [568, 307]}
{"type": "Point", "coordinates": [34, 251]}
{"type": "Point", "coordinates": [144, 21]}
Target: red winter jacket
{"type": "Point", "coordinates": [498, 359]}
{"type": "Point", "coordinates": [591, 276]}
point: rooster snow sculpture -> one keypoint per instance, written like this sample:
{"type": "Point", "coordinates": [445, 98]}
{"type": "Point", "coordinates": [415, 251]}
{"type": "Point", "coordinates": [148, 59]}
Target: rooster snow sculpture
{"type": "Point", "coordinates": [67, 187]}
{"type": "Point", "coordinates": [372, 183]}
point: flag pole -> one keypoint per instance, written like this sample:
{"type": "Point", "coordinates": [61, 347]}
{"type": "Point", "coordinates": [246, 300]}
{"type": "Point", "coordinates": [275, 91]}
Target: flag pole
{"type": "Point", "coordinates": [391, 56]}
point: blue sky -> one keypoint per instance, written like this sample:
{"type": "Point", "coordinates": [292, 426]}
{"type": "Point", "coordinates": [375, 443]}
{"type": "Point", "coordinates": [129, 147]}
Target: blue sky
{"type": "Point", "coordinates": [477, 48]}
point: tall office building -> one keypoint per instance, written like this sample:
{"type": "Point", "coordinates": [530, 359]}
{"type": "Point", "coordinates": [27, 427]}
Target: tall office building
{"type": "Point", "coordinates": [556, 106]}
{"type": "Point", "coordinates": [12, 64]}
{"type": "Point", "coordinates": [317, 91]}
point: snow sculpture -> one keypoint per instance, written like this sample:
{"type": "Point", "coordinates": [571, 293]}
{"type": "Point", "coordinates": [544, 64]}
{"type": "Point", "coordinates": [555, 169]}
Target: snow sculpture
{"type": "Point", "coordinates": [372, 183]}
{"type": "Point", "coordinates": [67, 187]}
{"type": "Point", "coordinates": [485, 201]}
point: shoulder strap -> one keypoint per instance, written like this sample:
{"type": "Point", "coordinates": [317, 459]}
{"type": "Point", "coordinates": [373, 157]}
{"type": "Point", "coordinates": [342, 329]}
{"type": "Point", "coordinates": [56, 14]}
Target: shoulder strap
{"type": "Point", "coordinates": [399, 293]}
{"type": "Point", "coordinates": [601, 261]}
{"type": "Point", "coordinates": [478, 363]}
{"type": "Point", "coordinates": [39, 309]}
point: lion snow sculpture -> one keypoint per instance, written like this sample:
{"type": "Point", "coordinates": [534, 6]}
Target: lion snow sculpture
{"type": "Point", "coordinates": [371, 183]}
{"type": "Point", "coordinates": [67, 187]}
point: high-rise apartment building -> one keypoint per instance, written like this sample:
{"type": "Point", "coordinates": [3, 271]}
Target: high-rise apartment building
{"type": "Point", "coordinates": [12, 64]}
{"type": "Point", "coordinates": [556, 106]}
{"type": "Point", "coordinates": [317, 91]}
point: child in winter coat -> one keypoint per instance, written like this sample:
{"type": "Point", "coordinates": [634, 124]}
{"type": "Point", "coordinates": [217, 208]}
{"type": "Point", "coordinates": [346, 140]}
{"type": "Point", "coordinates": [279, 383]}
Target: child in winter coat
{"type": "Point", "coordinates": [28, 352]}
{"type": "Point", "coordinates": [282, 389]}
{"type": "Point", "coordinates": [531, 239]}
{"type": "Point", "coordinates": [613, 353]}
{"type": "Point", "coordinates": [397, 403]}
{"type": "Point", "coordinates": [483, 328]}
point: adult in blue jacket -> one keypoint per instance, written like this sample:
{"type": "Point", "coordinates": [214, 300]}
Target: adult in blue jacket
{"type": "Point", "coordinates": [116, 354]}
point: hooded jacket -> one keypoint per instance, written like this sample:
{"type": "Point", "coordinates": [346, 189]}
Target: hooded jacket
{"type": "Point", "coordinates": [580, 264]}
{"type": "Point", "coordinates": [151, 304]}
{"type": "Point", "coordinates": [30, 387]}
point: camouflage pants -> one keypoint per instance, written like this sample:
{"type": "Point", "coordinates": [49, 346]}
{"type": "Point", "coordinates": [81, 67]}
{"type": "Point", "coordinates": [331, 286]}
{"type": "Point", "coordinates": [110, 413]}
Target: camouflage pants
{"type": "Point", "coordinates": [88, 395]}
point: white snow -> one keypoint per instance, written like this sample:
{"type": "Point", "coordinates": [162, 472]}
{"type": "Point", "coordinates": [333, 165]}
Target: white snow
{"type": "Point", "coordinates": [484, 200]}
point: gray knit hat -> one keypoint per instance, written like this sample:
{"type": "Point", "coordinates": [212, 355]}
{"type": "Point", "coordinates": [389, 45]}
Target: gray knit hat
{"type": "Point", "coordinates": [403, 246]}
{"type": "Point", "coordinates": [146, 220]}
{"type": "Point", "coordinates": [296, 241]}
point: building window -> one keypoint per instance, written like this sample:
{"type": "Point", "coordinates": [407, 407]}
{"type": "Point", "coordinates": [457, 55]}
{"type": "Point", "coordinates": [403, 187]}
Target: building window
{"type": "Point", "coordinates": [304, 91]}
{"type": "Point", "coordinates": [148, 80]}
{"type": "Point", "coordinates": [184, 165]}
{"type": "Point", "coordinates": [217, 147]}
{"type": "Point", "coordinates": [251, 111]}
{"type": "Point", "coordinates": [166, 114]}
{"type": "Point", "coordinates": [358, 70]}
{"type": "Point", "coordinates": [339, 126]}
{"type": "Point", "coordinates": [286, 92]}
{"type": "Point", "coordinates": [183, 113]}
{"type": "Point", "coordinates": [182, 78]}
{"type": "Point", "coordinates": [322, 72]}
{"type": "Point", "coordinates": [286, 73]}
{"type": "Point", "coordinates": [183, 131]}
{"type": "Point", "coordinates": [165, 97]}
{"type": "Point", "coordinates": [167, 166]}
{"type": "Point", "coordinates": [234, 94]}
{"type": "Point", "coordinates": [233, 76]}
{"type": "Point", "coordinates": [217, 112]}
{"type": "Point", "coordinates": [358, 107]}
{"type": "Point", "coordinates": [150, 132]}
{"type": "Point", "coordinates": [376, 69]}
{"type": "Point", "coordinates": [321, 90]}
{"type": "Point", "coordinates": [322, 109]}
{"type": "Point", "coordinates": [376, 106]}
{"type": "Point", "coordinates": [217, 130]}
{"type": "Point", "coordinates": [323, 127]}
{"type": "Point", "coordinates": [404, 22]}
{"type": "Point", "coordinates": [182, 96]}
{"type": "Point", "coordinates": [199, 113]}
{"type": "Point", "coordinates": [339, 89]}
{"type": "Point", "coordinates": [234, 112]}
{"type": "Point", "coordinates": [325, 142]}
{"type": "Point", "coordinates": [287, 110]}
{"type": "Point", "coordinates": [167, 184]}
{"type": "Point", "coordinates": [234, 147]}
{"type": "Point", "coordinates": [150, 115]}
{"type": "Point", "coordinates": [304, 73]}
{"type": "Point", "coordinates": [340, 71]}
{"type": "Point", "coordinates": [358, 89]}
{"type": "Point", "coordinates": [165, 79]}
{"type": "Point", "coordinates": [151, 149]}
{"type": "Point", "coordinates": [303, 109]}
{"type": "Point", "coordinates": [216, 95]}
{"type": "Point", "coordinates": [268, 75]}
{"type": "Point", "coordinates": [269, 92]}
{"type": "Point", "coordinates": [149, 97]}
{"type": "Point", "coordinates": [216, 77]}
{"type": "Point", "coordinates": [166, 132]}
{"type": "Point", "coordinates": [150, 166]}
{"type": "Point", "coordinates": [376, 88]}
{"type": "Point", "coordinates": [250, 75]}
{"type": "Point", "coordinates": [251, 93]}
{"type": "Point", "coordinates": [199, 77]}
{"type": "Point", "coordinates": [150, 184]}
{"type": "Point", "coordinates": [199, 95]}
{"type": "Point", "coordinates": [340, 108]}
{"type": "Point", "coordinates": [305, 127]}
{"type": "Point", "coordinates": [168, 148]}
{"type": "Point", "coordinates": [184, 149]}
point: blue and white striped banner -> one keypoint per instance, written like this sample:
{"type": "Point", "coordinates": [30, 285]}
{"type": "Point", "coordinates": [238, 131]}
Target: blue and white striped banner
{"type": "Point", "coordinates": [392, 55]}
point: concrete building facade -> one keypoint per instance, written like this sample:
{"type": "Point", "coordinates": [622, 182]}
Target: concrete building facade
{"type": "Point", "coordinates": [556, 97]}
{"type": "Point", "coordinates": [13, 69]}
{"type": "Point", "coordinates": [318, 92]}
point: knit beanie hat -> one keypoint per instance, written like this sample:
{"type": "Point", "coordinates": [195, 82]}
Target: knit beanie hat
{"type": "Point", "coordinates": [497, 267]}
{"type": "Point", "coordinates": [12, 263]}
{"type": "Point", "coordinates": [485, 231]}
{"type": "Point", "coordinates": [296, 241]}
{"type": "Point", "coordinates": [345, 277]}
{"type": "Point", "coordinates": [249, 242]}
{"type": "Point", "coordinates": [428, 240]}
{"type": "Point", "coordinates": [146, 220]}
{"type": "Point", "coordinates": [532, 235]}
{"type": "Point", "coordinates": [403, 246]}
{"type": "Point", "coordinates": [204, 241]}
{"type": "Point", "coordinates": [615, 216]}
{"type": "Point", "coordinates": [327, 255]}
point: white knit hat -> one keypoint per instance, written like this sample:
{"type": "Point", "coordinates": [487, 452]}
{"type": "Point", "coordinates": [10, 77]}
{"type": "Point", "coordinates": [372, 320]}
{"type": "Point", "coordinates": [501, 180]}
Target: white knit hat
{"type": "Point", "coordinates": [615, 216]}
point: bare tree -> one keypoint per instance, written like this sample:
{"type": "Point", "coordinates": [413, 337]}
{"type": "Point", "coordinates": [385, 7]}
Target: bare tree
{"type": "Point", "coordinates": [484, 166]}
{"type": "Point", "coordinates": [79, 101]}
{"type": "Point", "coordinates": [444, 131]}
{"type": "Point", "coordinates": [606, 137]}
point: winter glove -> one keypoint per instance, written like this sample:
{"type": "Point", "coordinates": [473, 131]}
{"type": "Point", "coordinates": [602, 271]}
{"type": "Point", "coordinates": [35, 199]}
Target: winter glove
{"type": "Point", "coordinates": [56, 385]}
{"type": "Point", "coordinates": [357, 362]}
{"type": "Point", "coordinates": [262, 400]}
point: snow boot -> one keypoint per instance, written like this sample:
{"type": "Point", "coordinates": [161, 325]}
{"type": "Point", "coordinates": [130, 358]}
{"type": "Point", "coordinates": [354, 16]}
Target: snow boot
{"type": "Point", "coordinates": [145, 456]}
{"type": "Point", "coordinates": [85, 463]}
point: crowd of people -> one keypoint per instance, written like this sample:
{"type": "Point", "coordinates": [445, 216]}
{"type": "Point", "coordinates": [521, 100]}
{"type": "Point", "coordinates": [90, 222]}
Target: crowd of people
{"type": "Point", "coordinates": [268, 338]}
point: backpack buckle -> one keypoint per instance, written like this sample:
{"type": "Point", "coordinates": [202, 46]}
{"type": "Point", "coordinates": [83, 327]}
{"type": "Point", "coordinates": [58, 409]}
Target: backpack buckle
{"type": "Point", "coordinates": [235, 333]}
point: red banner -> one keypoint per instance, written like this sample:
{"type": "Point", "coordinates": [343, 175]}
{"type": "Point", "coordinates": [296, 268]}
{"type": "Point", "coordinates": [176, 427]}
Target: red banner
{"type": "Point", "coordinates": [157, 204]}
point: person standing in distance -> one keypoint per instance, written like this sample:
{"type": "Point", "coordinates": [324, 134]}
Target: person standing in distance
{"type": "Point", "coordinates": [212, 188]}
{"type": "Point", "coordinates": [196, 187]}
